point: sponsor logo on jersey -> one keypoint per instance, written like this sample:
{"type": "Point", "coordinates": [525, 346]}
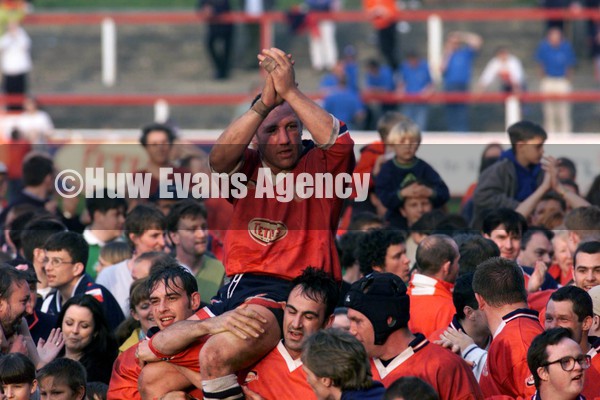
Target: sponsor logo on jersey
{"type": "Point", "coordinates": [265, 231]}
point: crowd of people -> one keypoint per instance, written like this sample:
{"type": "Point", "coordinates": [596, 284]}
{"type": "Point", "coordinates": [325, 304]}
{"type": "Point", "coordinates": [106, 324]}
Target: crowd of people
{"type": "Point", "coordinates": [320, 297]}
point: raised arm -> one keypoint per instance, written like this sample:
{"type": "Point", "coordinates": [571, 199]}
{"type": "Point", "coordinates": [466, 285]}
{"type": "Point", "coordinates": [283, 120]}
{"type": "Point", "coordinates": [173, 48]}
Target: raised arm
{"type": "Point", "coordinates": [229, 148]}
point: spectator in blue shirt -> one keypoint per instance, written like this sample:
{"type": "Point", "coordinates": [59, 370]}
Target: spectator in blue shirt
{"type": "Point", "coordinates": [416, 80]}
{"type": "Point", "coordinates": [380, 78]}
{"type": "Point", "coordinates": [345, 105]}
{"type": "Point", "coordinates": [556, 59]}
{"type": "Point", "coordinates": [460, 51]}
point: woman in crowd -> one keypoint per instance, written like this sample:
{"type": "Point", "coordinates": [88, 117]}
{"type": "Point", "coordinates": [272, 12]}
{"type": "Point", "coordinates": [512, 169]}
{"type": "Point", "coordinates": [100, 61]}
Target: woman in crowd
{"type": "Point", "coordinates": [135, 327]}
{"type": "Point", "coordinates": [88, 338]}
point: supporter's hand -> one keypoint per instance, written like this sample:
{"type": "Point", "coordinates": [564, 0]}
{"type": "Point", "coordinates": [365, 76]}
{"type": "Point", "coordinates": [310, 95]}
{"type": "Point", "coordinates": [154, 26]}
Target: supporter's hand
{"type": "Point", "coordinates": [378, 163]}
{"type": "Point", "coordinates": [550, 172]}
{"type": "Point", "coordinates": [144, 354]}
{"type": "Point", "coordinates": [49, 349]}
{"type": "Point", "coordinates": [250, 395]}
{"type": "Point", "coordinates": [282, 71]}
{"type": "Point", "coordinates": [458, 338]}
{"type": "Point", "coordinates": [242, 322]}
{"type": "Point", "coordinates": [423, 191]}
{"type": "Point", "coordinates": [537, 277]}
{"type": "Point", "coordinates": [448, 345]}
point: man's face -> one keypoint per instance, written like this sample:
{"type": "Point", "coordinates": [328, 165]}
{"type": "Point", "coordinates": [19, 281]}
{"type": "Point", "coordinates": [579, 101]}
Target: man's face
{"type": "Point", "coordinates": [158, 147]}
{"type": "Point", "coordinates": [172, 304]}
{"type": "Point", "coordinates": [561, 314]}
{"type": "Point", "coordinates": [414, 208]}
{"type": "Point", "coordinates": [586, 272]}
{"type": "Point", "coordinates": [396, 261]}
{"type": "Point", "coordinates": [301, 318]}
{"type": "Point", "coordinates": [566, 385]}
{"type": "Point", "coordinates": [509, 244]}
{"type": "Point", "coordinates": [112, 220]}
{"type": "Point", "coordinates": [150, 240]}
{"type": "Point", "coordinates": [191, 237]}
{"type": "Point", "coordinates": [362, 329]}
{"type": "Point", "coordinates": [279, 139]}
{"type": "Point", "coordinates": [539, 248]}
{"type": "Point", "coordinates": [531, 151]}
{"type": "Point", "coordinates": [15, 307]}
{"type": "Point", "coordinates": [60, 268]}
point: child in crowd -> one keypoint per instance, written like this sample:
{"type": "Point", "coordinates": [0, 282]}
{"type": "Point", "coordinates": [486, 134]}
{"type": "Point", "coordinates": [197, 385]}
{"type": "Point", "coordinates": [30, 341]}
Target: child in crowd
{"type": "Point", "coordinates": [17, 376]}
{"type": "Point", "coordinates": [407, 176]}
{"type": "Point", "coordinates": [62, 378]}
{"type": "Point", "coordinates": [112, 253]}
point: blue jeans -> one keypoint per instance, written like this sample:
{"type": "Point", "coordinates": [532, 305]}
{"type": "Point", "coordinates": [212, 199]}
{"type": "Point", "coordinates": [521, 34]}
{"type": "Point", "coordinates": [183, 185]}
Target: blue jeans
{"type": "Point", "coordinates": [418, 112]}
{"type": "Point", "coordinates": [457, 114]}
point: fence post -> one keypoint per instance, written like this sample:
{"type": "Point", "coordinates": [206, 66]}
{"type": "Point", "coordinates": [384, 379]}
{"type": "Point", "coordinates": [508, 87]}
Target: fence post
{"type": "Point", "coordinates": [161, 111]}
{"type": "Point", "coordinates": [434, 46]}
{"type": "Point", "coordinates": [512, 110]}
{"type": "Point", "coordinates": [109, 52]}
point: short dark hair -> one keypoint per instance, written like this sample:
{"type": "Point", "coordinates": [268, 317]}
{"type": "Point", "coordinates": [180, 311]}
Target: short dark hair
{"type": "Point", "coordinates": [338, 355]}
{"type": "Point", "coordinates": [552, 195]}
{"type": "Point", "coordinates": [523, 131]}
{"type": "Point", "coordinates": [66, 371]}
{"type": "Point", "coordinates": [373, 248]}
{"type": "Point", "coordinates": [428, 222]}
{"type": "Point", "coordinates": [582, 302]}
{"type": "Point", "coordinates": [537, 356]}
{"type": "Point", "coordinates": [500, 282]}
{"type": "Point", "coordinates": [474, 249]}
{"type": "Point", "coordinates": [184, 209]}
{"type": "Point", "coordinates": [16, 368]}
{"type": "Point", "coordinates": [142, 218]}
{"type": "Point", "coordinates": [157, 127]}
{"type": "Point", "coordinates": [349, 245]}
{"type": "Point", "coordinates": [168, 272]}
{"type": "Point", "coordinates": [71, 242]}
{"type": "Point", "coordinates": [514, 223]}
{"type": "Point", "coordinates": [587, 248]}
{"type": "Point", "coordinates": [532, 230]}
{"type": "Point", "coordinates": [410, 388]}
{"type": "Point", "coordinates": [362, 219]}
{"type": "Point", "coordinates": [9, 275]}
{"type": "Point", "coordinates": [569, 165]}
{"type": "Point", "coordinates": [463, 295]}
{"type": "Point", "coordinates": [104, 204]}
{"type": "Point", "coordinates": [36, 167]}
{"type": "Point", "coordinates": [585, 222]}
{"type": "Point", "coordinates": [318, 286]}
{"type": "Point", "coordinates": [35, 234]}
{"type": "Point", "coordinates": [433, 252]}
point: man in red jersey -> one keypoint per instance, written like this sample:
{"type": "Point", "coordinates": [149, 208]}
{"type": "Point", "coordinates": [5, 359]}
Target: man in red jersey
{"type": "Point", "coordinates": [309, 308]}
{"type": "Point", "coordinates": [269, 241]}
{"type": "Point", "coordinates": [378, 309]}
{"type": "Point", "coordinates": [499, 288]}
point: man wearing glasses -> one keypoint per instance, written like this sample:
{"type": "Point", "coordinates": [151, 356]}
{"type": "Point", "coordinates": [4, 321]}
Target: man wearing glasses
{"type": "Point", "coordinates": [66, 257]}
{"type": "Point", "coordinates": [571, 307]}
{"type": "Point", "coordinates": [558, 366]}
